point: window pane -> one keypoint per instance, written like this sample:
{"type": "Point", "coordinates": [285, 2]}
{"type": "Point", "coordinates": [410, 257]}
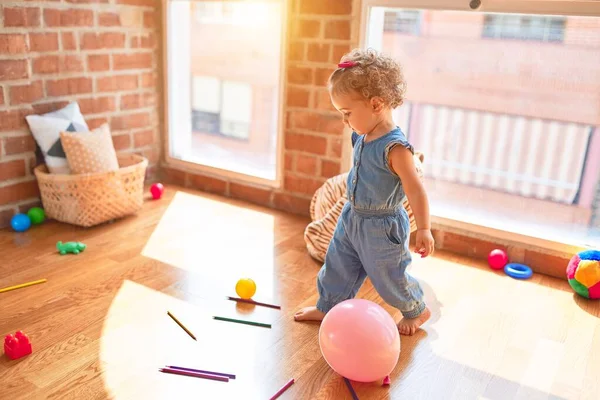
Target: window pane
{"type": "Point", "coordinates": [506, 109]}
{"type": "Point", "coordinates": [206, 94]}
{"type": "Point", "coordinates": [224, 61]}
{"type": "Point", "coordinates": [524, 27]}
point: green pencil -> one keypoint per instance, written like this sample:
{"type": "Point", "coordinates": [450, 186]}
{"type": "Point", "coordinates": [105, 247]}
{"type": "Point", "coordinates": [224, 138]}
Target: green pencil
{"type": "Point", "coordinates": [239, 321]}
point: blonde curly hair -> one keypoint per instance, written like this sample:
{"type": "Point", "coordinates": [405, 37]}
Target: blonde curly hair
{"type": "Point", "coordinates": [372, 75]}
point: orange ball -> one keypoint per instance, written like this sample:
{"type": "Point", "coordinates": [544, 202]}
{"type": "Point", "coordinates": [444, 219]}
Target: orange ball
{"type": "Point", "coordinates": [245, 288]}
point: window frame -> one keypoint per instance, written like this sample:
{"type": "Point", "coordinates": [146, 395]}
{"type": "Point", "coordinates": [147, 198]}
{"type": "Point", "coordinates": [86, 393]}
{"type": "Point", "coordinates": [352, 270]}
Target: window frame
{"type": "Point", "coordinates": [581, 8]}
{"type": "Point", "coordinates": [196, 168]}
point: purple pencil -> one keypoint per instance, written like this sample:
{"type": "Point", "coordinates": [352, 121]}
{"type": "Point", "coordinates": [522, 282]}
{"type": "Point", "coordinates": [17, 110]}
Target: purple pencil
{"type": "Point", "coordinates": [283, 389]}
{"type": "Point", "coordinates": [230, 376]}
{"type": "Point", "coordinates": [194, 374]}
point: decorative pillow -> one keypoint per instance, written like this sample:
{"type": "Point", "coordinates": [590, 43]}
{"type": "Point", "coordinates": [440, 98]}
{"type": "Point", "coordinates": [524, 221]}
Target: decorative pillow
{"type": "Point", "coordinates": [91, 152]}
{"type": "Point", "coordinates": [46, 132]}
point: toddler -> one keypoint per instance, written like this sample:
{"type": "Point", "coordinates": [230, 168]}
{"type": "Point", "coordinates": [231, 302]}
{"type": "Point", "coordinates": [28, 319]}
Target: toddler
{"type": "Point", "coordinates": [372, 233]}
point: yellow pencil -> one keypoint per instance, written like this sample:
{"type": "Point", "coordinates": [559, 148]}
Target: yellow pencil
{"type": "Point", "coordinates": [22, 285]}
{"type": "Point", "coordinates": [181, 325]}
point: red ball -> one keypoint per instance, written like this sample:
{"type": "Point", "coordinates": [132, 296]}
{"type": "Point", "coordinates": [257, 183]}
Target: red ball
{"type": "Point", "coordinates": [497, 259]}
{"type": "Point", "coordinates": [157, 190]}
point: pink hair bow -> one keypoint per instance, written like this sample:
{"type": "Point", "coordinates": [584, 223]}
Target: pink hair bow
{"type": "Point", "coordinates": [347, 64]}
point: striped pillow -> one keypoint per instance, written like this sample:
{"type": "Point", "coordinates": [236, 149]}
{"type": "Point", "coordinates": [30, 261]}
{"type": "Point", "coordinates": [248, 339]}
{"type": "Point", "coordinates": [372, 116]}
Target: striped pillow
{"type": "Point", "coordinates": [325, 209]}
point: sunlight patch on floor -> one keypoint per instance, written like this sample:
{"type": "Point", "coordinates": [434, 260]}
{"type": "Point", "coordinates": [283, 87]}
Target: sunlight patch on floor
{"type": "Point", "coordinates": [215, 239]}
{"type": "Point", "coordinates": [507, 323]}
{"type": "Point", "coordinates": [139, 337]}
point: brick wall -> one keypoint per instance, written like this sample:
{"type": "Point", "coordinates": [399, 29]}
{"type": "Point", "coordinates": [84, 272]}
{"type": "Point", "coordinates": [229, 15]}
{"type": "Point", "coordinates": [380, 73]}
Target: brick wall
{"type": "Point", "coordinates": [320, 33]}
{"type": "Point", "coordinates": [102, 53]}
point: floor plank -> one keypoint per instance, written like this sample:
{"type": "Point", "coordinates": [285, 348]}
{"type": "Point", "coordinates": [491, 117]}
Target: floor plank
{"type": "Point", "coordinates": [100, 330]}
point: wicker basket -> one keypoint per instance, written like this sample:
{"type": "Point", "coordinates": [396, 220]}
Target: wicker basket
{"type": "Point", "coordinates": [91, 199]}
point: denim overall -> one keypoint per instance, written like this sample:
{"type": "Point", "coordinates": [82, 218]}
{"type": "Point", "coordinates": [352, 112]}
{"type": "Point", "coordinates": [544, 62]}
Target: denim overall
{"type": "Point", "coordinates": [372, 234]}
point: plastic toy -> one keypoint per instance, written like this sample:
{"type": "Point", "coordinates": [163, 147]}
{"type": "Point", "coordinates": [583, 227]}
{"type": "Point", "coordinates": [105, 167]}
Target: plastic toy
{"type": "Point", "coordinates": [583, 273]}
{"type": "Point", "coordinates": [20, 222]}
{"type": "Point", "coordinates": [360, 340]}
{"type": "Point", "coordinates": [245, 288]}
{"type": "Point", "coordinates": [497, 259]}
{"type": "Point", "coordinates": [157, 190]}
{"type": "Point", "coordinates": [70, 247]}
{"type": "Point", "coordinates": [387, 381]}
{"type": "Point", "coordinates": [36, 215]}
{"type": "Point", "coordinates": [17, 346]}
{"type": "Point", "coordinates": [518, 271]}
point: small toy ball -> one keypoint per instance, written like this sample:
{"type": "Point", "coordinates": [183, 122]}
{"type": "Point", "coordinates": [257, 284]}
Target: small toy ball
{"type": "Point", "coordinates": [245, 288]}
{"type": "Point", "coordinates": [583, 273]}
{"type": "Point", "coordinates": [157, 190]}
{"type": "Point", "coordinates": [360, 340]}
{"type": "Point", "coordinates": [518, 271]}
{"type": "Point", "coordinates": [36, 215]}
{"type": "Point", "coordinates": [497, 259]}
{"type": "Point", "coordinates": [20, 222]}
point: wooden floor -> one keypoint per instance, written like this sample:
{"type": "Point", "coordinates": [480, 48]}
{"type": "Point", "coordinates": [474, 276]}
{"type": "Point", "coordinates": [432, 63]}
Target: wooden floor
{"type": "Point", "coordinates": [100, 329]}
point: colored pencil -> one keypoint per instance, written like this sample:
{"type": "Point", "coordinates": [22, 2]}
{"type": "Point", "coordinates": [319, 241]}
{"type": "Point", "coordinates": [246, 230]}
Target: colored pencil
{"type": "Point", "coordinates": [22, 285]}
{"type": "Point", "coordinates": [256, 303]}
{"type": "Point", "coordinates": [230, 376]}
{"type": "Point", "coordinates": [194, 374]}
{"type": "Point", "coordinates": [239, 321]}
{"type": "Point", "coordinates": [181, 325]}
{"type": "Point", "coordinates": [351, 389]}
{"type": "Point", "coordinates": [283, 389]}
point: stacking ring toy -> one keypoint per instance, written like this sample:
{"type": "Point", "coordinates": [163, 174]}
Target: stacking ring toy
{"type": "Point", "coordinates": [518, 271]}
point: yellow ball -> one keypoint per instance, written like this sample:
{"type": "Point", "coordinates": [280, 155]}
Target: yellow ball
{"type": "Point", "coordinates": [245, 288]}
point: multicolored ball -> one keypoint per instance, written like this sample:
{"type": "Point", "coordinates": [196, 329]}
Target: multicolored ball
{"type": "Point", "coordinates": [583, 273]}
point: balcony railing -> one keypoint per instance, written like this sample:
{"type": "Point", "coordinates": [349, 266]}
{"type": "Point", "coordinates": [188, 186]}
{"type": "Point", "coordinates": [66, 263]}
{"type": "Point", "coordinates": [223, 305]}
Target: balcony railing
{"type": "Point", "coordinates": [530, 157]}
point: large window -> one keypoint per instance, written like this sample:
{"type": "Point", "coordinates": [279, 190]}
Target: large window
{"type": "Point", "coordinates": [506, 109]}
{"type": "Point", "coordinates": [224, 63]}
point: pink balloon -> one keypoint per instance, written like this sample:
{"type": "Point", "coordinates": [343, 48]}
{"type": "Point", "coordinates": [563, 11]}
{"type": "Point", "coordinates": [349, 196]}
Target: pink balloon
{"type": "Point", "coordinates": [360, 341]}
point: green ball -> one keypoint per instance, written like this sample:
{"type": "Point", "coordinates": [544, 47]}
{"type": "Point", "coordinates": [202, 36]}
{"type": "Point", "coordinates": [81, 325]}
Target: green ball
{"type": "Point", "coordinates": [36, 215]}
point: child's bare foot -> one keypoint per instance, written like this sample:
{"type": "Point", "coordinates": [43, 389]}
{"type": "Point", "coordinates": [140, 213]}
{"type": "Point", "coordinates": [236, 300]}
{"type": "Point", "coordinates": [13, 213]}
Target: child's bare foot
{"type": "Point", "coordinates": [408, 326]}
{"type": "Point", "coordinates": [309, 314]}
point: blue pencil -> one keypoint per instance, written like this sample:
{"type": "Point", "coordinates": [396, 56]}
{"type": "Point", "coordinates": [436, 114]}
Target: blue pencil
{"type": "Point", "coordinates": [351, 389]}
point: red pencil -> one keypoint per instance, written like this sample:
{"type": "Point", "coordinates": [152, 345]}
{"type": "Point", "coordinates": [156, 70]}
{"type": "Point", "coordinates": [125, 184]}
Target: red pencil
{"type": "Point", "coordinates": [194, 374]}
{"type": "Point", "coordinates": [283, 389]}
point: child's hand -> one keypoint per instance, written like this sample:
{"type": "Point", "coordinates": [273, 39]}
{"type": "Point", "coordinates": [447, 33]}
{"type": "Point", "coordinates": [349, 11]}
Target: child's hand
{"type": "Point", "coordinates": [424, 242]}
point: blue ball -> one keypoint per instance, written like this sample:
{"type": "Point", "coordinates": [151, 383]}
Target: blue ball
{"type": "Point", "coordinates": [20, 222]}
